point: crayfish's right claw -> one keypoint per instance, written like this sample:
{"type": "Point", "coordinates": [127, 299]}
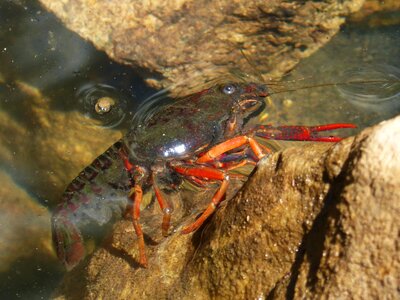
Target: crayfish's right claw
{"type": "Point", "coordinates": [67, 241]}
{"type": "Point", "coordinates": [315, 129]}
{"type": "Point", "coordinates": [301, 133]}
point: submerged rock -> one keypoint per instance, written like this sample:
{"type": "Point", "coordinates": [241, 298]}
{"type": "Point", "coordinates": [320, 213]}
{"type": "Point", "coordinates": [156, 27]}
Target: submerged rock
{"type": "Point", "coordinates": [24, 226]}
{"type": "Point", "coordinates": [186, 43]}
{"type": "Point", "coordinates": [378, 13]}
{"type": "Point", "coordinates": [318, 221]}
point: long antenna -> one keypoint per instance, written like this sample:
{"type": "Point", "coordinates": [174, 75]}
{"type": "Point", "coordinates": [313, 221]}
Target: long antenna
{"type": "Point", "coordinates": [336, 83]}
{"type": "Point", "coordinates": [282, 83]}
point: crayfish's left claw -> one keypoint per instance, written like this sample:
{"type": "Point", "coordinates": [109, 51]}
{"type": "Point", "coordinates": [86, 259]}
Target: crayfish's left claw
{"type": "Point", "coordinates": [301, 133]}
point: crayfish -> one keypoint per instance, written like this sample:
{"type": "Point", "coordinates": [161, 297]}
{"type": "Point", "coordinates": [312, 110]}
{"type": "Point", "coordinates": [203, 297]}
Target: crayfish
{"type": "Point", "coordinates": [200, 138]}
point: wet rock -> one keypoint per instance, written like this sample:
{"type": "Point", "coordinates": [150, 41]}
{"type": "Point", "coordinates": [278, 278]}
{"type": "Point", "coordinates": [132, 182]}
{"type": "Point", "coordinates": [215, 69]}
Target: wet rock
{"type": "Point", "coordinates": [186, 43]}
{"type": "Point", "coordinates": [376, 13]}
{"type": "Point", "coordinates": [45, 149]}
{"type": "Point", "coordinates": [318, 221]}
{"type": "Point", "coordinates": [353, 251]}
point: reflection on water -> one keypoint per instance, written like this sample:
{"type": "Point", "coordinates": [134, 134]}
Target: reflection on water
{"type": "Point", "coordinates": [103, 102]}
{"type": "Point", "coordinates": [59, 97]}
{"type": "Point", "coordinates": [381, 94]}
{"type": "Point", "coordinates": [322, 100]}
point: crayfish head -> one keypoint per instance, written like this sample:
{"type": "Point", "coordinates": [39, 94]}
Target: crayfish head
{"type": "Point", "coordinates": [249, 99]}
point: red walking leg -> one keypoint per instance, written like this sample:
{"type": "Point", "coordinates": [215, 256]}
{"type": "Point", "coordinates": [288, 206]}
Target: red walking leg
{"type": "Point", "coordinates": [137, 194]}
{"type": "Point", "coordinates": [229, 145]}
{"type": "Point", "coordinates": [208, 174]}
{"type": "Point", "coordinates": [164, 207]}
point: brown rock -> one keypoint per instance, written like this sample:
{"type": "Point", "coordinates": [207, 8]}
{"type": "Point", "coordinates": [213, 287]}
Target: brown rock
{"type": "Point", "coordinates": [318, 221]}
{"type": "Point", "coordinates": [187, 43]}
{"type": "Point", "coordinates": [378, 13]}
{"type": "Point", "coordinates": [358, 250]}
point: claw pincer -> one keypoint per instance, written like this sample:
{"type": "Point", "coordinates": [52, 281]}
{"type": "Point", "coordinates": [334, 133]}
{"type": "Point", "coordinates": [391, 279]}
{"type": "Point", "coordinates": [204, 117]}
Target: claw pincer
{"type": "Point", "coordinates": [300, 133]}
{"type": "Point", "coordinates": [200, 138]}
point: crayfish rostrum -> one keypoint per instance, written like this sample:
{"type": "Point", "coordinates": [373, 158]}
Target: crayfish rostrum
{"type": "Point", "coordinates": [200, 138]}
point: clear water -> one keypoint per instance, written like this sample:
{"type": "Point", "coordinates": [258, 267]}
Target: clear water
{"type": "Point", "coordinates": [45, 66]}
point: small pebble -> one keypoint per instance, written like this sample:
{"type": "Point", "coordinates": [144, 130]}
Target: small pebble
{"type": "Point", "coordinates": [104, 105]}
{"type": "Point", "coordinates": [287, 103]}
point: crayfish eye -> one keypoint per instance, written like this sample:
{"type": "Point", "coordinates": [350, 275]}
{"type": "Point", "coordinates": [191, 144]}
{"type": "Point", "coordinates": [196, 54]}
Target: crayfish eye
{"type": "Point", "coordinates": [229, 89]}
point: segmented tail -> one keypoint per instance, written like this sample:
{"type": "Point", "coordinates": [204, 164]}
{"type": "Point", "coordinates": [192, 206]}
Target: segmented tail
{"type": "Point", "coordinates": [97, 195]}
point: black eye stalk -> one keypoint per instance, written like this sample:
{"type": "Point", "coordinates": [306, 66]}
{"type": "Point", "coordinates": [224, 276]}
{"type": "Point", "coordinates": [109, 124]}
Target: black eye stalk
{"type": "Point", "coordinates": [229, 89]}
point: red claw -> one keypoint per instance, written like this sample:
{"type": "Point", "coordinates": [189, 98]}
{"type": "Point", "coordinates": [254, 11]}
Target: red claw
{"type": "Point", "coordinates": [301, 133]}
{"type": "Point", "coordinates": [315, 129]}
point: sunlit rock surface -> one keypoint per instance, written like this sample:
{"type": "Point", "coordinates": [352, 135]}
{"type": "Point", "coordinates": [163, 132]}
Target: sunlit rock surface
{"type": "Point", "coordinates": [378, 13]}
{"type": "Point", "coordinates": [319, 221]}
{"type": "Point", "coordinates": [354, 250]}
{"type": "Point", "coordinates": [185, 42]}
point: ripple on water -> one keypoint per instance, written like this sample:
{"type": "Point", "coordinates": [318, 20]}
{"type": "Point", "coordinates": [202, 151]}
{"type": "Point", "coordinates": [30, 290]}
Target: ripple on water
{"type": "Point", "coordinates": [373, 87]}
{"type": "Point", "coordinates": [102, 103]}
